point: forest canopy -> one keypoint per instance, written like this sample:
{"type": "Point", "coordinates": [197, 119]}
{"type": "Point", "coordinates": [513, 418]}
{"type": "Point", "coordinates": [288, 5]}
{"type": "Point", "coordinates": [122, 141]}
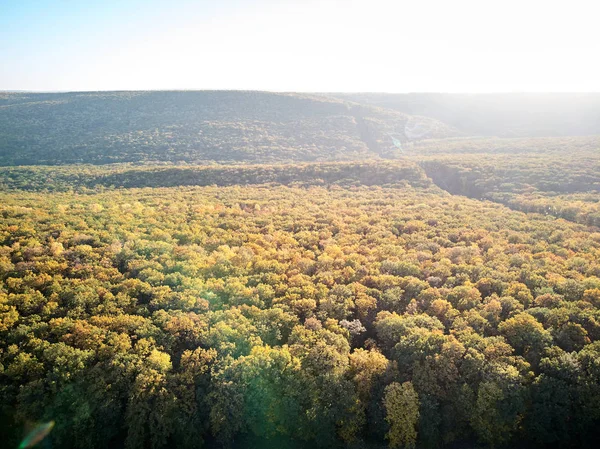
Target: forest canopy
{"type": "Point", "coordinates": [246, 269]}
{"type": "Point", "coordinates": [312, 313]}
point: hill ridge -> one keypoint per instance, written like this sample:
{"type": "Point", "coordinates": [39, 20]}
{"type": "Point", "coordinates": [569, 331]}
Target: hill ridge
{"type": "Point", "coordinates": [195, 127]}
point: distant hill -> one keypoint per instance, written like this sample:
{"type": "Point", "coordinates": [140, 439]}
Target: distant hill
{"type": "Point", "coordinates": [200, 127]}
{"type": "Point", "coordinates": [502, 115]}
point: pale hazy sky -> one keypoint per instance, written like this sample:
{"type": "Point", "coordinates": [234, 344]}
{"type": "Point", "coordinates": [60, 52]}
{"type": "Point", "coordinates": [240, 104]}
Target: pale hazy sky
{"type": "Point", "coordinates": [301, 45]}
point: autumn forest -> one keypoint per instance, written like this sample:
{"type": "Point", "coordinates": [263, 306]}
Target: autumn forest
{"type": "Point", "coordinates": [256, 270]}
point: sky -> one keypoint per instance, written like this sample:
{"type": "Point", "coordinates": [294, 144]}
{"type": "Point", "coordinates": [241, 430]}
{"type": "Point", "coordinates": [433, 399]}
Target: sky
{"type": "Point", "coordinates": [301, 45]}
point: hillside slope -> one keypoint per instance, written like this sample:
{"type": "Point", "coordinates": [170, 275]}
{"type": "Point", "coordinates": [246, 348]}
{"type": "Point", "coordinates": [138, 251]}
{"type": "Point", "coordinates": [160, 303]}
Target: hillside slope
{"type": "Point", "coordinates": [502, 115]}
{"type": "Point", "coordinates": [197, 127]}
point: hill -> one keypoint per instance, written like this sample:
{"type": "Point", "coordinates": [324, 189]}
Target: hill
{"type": "Point", "coordinates": [502, 115]}
{"type": "Point", "coordinates": [198, 127]}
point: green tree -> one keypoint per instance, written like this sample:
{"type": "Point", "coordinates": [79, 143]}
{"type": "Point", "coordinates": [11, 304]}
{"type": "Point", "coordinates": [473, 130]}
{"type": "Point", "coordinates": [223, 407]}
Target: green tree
{"type": "Point", "coordinates": [401, 403]}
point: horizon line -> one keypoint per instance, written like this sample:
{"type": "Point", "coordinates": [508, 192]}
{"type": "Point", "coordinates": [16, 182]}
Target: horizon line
{"type": "Point", "coordinates": [52, 91]}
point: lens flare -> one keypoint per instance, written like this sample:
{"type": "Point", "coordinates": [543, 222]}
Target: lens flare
{"type": "Point", "coordinates": [40, 432]}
